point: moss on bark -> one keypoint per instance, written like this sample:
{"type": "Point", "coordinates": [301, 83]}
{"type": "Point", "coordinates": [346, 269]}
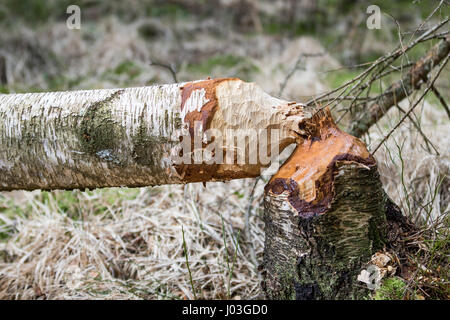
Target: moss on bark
{"type": "Point", "coordinates": [99, 134]}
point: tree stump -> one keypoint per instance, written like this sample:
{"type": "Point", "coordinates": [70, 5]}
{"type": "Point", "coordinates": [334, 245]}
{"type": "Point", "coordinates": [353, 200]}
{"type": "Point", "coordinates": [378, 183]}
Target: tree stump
{"type": "Point", "coordinates": [324, 217]}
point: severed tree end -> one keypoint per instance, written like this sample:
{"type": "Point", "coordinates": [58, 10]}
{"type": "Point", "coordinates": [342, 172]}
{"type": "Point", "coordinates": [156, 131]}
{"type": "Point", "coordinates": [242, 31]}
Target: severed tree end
{"type": "Point", "coordinates": [324, 216]}
{"type": "Point", "coordinates": [198, 131]}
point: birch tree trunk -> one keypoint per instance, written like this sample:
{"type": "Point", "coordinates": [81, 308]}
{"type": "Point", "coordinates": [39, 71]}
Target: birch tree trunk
{"type": "Point", "coordinates": [130, 137]}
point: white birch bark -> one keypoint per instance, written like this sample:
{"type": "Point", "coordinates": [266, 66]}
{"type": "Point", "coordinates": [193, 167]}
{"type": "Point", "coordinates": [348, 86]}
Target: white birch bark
{"type": "Point", "coordinates": [125, 137]}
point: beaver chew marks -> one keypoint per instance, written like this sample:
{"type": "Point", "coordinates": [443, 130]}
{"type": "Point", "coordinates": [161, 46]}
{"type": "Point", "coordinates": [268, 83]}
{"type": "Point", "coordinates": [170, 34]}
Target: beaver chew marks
{"type": "Point", "coordinates": [208, 89]}
{"type": "Point", "coordinates": [191, 92]}
{"type": "Point", "coordinates": [308, 175]}
{"type": "Point", "coordinates": [237, 114]}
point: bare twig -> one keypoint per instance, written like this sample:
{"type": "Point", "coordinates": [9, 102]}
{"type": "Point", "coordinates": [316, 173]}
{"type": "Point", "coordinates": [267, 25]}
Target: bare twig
{"type": "Point", "coordinates": [385, 60]}
{"type": "Point", "coordinates": [295, 68]}
{"type": "Point", "coordinates": [171, 68]}
{"type": "Point", "coordinates": [414, 105]}
{"type": "Point", "coordinates": [441, 100]}
{"type": "Point", "coordinates": [419, 129]}
{"type": "Point", "coordinates": [427, 19]}
{"type": "Point", "coordinates": [399, 90]}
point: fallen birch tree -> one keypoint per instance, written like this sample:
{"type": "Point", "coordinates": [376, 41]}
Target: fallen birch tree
{"type": "Point", "coordinates": [137, 136]}
{"type": "Point", "coordinates": [325, 210]}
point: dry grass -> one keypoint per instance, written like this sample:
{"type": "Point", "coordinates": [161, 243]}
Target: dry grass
{"type": "Point", "coordinates": [127, 243]}
{"type": "Point", "coordinates": [417, 179]}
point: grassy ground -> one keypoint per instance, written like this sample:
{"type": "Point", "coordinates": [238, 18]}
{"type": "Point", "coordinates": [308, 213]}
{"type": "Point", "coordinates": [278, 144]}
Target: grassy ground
{"type": "Point", "coordinates": [185, 242]}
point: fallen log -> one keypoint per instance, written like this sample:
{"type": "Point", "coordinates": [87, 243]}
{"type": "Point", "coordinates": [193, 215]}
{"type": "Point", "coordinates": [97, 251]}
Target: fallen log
{"type": "Point", "coordinates": [324, 209]}
{"type": "Point", "coordinates": [139, 136]}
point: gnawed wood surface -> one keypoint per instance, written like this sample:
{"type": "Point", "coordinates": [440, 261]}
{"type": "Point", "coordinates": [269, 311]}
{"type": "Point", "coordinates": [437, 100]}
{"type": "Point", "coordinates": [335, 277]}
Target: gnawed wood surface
{"type": "Point", "coordinates": [324, 209]}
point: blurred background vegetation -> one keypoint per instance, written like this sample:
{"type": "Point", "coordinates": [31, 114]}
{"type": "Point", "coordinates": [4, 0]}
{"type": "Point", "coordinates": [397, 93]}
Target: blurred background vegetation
{"type": "Point", "coordinates": [340, 27]}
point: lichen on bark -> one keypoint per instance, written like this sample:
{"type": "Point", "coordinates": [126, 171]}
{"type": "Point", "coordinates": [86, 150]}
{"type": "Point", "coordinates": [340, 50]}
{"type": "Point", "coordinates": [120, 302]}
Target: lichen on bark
{"type": "Point", "coordinates": [98, 130]}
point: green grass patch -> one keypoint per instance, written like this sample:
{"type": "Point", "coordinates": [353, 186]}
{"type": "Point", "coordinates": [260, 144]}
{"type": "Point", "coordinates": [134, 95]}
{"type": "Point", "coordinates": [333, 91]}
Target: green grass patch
{"type": "Point", "coordinates": [123, 74]}
{"type": "Point", "coordinates": [283, 28]}
{"type": "Point", "coordinates": [338, 77]}
{"type": "Point", "coordinates": [9, 210]}
{"type": "Point", "coordinates": [168, 10]}
{"type": "Point", "coordinates": [127, 67]}
{"type": "Point", "coordinates": [225, 61]}
{"type": "Point", "coordinates": [34, 12]}
{"type": "Point", "coordinates": [76, 203]}
{"type": "Point", "coordinates": [391, 289]}
{"type": "Point", "coordinates": [244, 68]}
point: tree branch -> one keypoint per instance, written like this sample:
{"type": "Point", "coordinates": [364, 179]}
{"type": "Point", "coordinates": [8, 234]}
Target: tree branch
{"type": "Point", "coordinates": [366, 117]}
